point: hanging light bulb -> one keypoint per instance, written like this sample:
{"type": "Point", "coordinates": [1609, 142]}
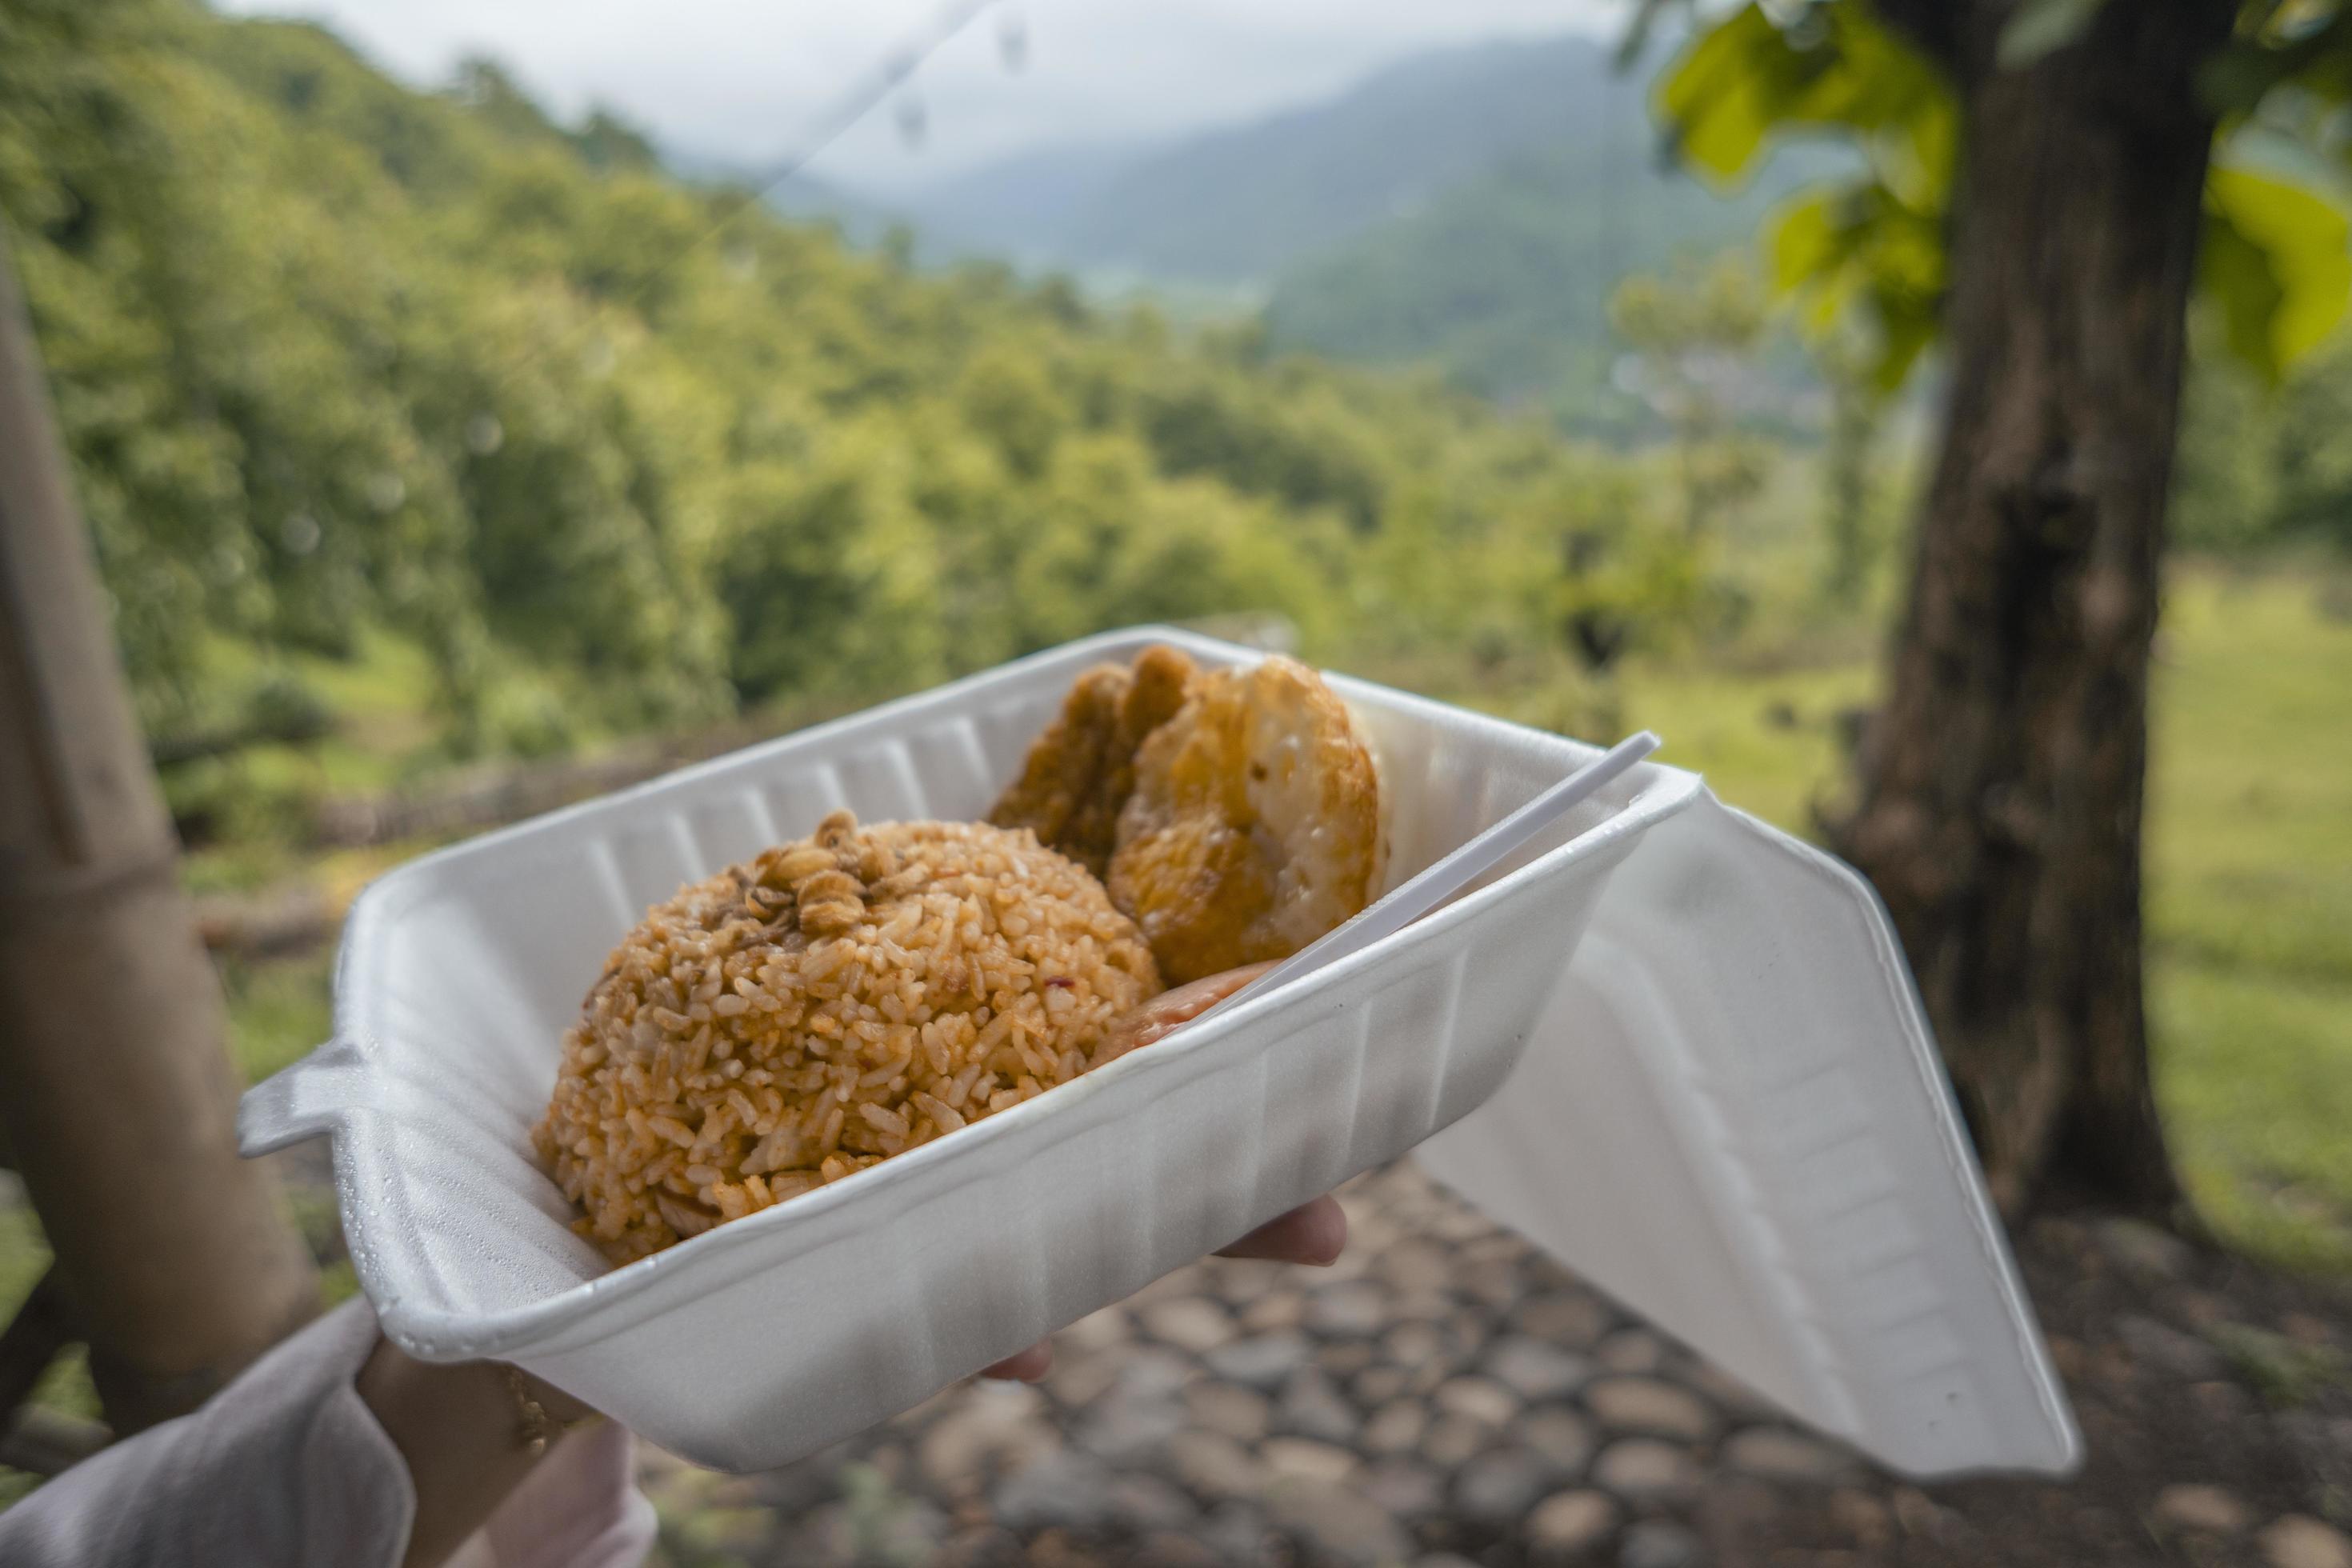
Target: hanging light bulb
{"type": "Point", "coordinates": [1012, 37]}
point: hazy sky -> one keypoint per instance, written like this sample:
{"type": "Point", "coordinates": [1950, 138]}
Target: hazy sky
{"type": "Point", "coordinates": [741, 79]}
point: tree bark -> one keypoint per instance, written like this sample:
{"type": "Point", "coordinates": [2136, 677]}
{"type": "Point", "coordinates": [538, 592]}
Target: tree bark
{"type": "Point", "coordinates": [2000, 786]}
{"type": "Point", "coordinates": [118, 1103]}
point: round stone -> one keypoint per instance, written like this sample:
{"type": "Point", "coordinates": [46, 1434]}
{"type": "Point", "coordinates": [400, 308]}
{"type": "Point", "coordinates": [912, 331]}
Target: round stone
{"type": "Point", "coordinates": [1097, 1329]}
{"type": "Point", "coordinates": [2141, 1249]}
{"type": "Point", "coordinates": [1535, 1371]}
{"type": "Point", "coordinates": [2205, 1507]}
{"type": "Point", "coordinates": [1651, 1405]}
{"type": "Point", "coordinates": [1191, 1323]}
{"type": "Point", "coordinates": [1572, 1319]}
{"type": "Point", "coordinates": [1406, 1489]}
{"type": "Point", "coordinates": [1143, 1502]}
{"type": "Point", "coordinates": [2298, 1541]}
{"type": "Point", "coordinates": [1124, 1428]}
{"type": "Point", "coordinates": [1775, 1453]}
{"type": "Point", "coordinates": [1416, 1265]}
{"type": "Point", "coordinates": [1064, 1488]}
{"type": "Point", "coordinates": [1161, 1549]}
{"type": "Point", "coordinates": [1493, 1281]}
{"type": "Point", "coordinates": [1864, 1518]}
{"type": "Point", "coordinates": [1242, 1280]}
{"type": "Point", "coordinates": [1304, 1459]}
{"type": "Point", "coordinates": [1237, 1532]}
{"type": "Point", "coordinates": [1498, 1487]}
{"type": "Point", "coordinates": [1078, 1380]}
{"type": "Point", "coordinates": [2165, 1350]}
{"type": "Point", "coordinates": [1567, 1525]}
{"type": "Point", "coordinates": [1395, 1427]}
{"type": "Point", "coordinates": [1214, 1466]}
{"type": "Point", "coordinates": [2223, 1403]}
{"type": "Point", "coordinates": [1641, 1468]}
{"type": "Point", "coordinates": [1560, 1435]}
{"type": "Point", "coordinates": [1262, 1361]}
{"type": "Point", "coordinates": [997, 1427]}
{"type": "Point", "coordinates": [1631, 1349]}
{"type": "Point", "coordinates": [1152, 1371]}
{"type": "Point", "coordinates": [1241, 1414]}
{"type": "Point", "coordinates": [1658, 1543]}
{"type": "Point", "coordinates": [1340, 1524]}
{"type": "Point", "coordinates": [1452, 1439]}
{"type": "Point", "coordinates": [1274, 1312]}
{"type": "Point", "coordinates": [1376, 1385]}
{"type": "Point", "coordinates": [1313, 1406]}
{"type": "Point", "coordinates": [1412, 1345]}
{"type": "Point", "coordinates": [1478, 1398]}
{"type": "Point", "coordinates": [1354, 1309]}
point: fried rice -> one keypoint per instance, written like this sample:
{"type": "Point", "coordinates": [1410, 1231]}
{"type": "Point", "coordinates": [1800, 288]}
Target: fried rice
{"type": "Point", "coordinates": [836, 1001]}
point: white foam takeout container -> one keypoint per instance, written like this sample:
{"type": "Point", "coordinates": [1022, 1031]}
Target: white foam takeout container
{"type": "Point", "coordinates": [1723, 1106]}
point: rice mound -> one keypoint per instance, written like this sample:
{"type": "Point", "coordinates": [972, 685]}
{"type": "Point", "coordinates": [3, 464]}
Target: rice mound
{"type": "Point", "coordinates": [836, 1001]}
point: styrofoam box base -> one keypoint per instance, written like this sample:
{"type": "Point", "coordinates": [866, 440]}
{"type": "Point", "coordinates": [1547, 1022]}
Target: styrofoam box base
{"type": "Point", "coordinates": [767, 1337]}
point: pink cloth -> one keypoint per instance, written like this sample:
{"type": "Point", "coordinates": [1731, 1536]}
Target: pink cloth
{"type": "Point", "coordinates": [288, 1466]}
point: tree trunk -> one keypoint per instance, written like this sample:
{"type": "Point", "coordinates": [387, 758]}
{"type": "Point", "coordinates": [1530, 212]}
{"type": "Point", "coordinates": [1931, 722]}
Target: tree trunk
{"type": "Point", "coordinates": [2000, 787]}
{"type": "Point", "coordinates": [116, 1098]}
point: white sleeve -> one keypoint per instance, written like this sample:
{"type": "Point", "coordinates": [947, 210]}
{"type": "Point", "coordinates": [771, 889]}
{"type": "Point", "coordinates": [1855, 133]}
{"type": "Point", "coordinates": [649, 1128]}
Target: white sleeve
{"type": "Point", "coordinates": [288, 1466]}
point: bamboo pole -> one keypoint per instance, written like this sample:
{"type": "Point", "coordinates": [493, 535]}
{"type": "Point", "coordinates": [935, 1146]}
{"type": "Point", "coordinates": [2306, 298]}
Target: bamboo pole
{"type": "Point", "coordinates": [173, 1257]}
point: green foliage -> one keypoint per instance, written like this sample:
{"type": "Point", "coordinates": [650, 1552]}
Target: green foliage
{"type": "Point", "coordinates": [1696, 332]}
{"type": "Point", "coordinates": [2262, 463]}
{"type": "Point", "coordinates": [2274, 267]}
{"type": "Point", "coordinates": [338, 362]}
{"type": "Point", "coordinates": [2276, 264]}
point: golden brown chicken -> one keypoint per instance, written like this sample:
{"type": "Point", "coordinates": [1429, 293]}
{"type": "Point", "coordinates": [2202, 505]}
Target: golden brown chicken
{"type": "Point", "coordinates": [1080, 771]}
{"type": "Point", "coordinates": [1254, 824]}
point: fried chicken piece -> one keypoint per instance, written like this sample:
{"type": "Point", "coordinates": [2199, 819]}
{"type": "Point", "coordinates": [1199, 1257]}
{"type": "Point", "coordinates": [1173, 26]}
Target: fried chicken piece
{"type": "Point", "coordinates": [1079, 772]}
{"type": "Point", "coordinates": [1252, 826]}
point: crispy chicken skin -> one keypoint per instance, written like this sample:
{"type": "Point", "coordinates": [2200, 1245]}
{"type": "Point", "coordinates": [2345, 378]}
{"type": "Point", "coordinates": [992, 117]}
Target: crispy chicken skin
{"type": "Point", "coordinates": [1080, 771]}
{"type": "Point", "coordinates": [1252, 826]}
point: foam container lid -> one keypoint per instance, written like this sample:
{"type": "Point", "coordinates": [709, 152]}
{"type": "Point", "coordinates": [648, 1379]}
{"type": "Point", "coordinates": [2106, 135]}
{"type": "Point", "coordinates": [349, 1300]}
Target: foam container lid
{"type": "Point", "coordinates": [1718, 1101]}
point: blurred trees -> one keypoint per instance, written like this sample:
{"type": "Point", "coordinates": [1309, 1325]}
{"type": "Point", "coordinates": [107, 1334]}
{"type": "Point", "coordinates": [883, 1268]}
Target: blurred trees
{"type": "Point", "coordinates": [331, 354]}
{"type": "Point", "coordinates": [1695, 331]}
{"type": "Point", "coordinates": [2047, 182]}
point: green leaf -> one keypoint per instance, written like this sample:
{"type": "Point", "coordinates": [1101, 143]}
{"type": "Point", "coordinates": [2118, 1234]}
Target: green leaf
{"type": "Point", "coordinates": [2277, 263]}
{"type": "Point", "coordinates": [1859, 260]}
{"type": "Point", "coordinates": [2040, 27]}
{"type": "Point", "coordinates": [1746, 79]}
{"type": "Point", "coordinates": [1718, 98]}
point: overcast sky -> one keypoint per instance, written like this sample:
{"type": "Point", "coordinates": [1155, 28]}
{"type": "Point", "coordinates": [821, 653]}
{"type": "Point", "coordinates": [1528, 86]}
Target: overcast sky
{"type": "Point", "coordinates": [743, 79]}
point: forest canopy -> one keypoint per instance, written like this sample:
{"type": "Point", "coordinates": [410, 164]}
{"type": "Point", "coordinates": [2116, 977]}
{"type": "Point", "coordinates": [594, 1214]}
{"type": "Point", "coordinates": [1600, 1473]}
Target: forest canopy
{"type": "Point", "coordinates": [331, 354]}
